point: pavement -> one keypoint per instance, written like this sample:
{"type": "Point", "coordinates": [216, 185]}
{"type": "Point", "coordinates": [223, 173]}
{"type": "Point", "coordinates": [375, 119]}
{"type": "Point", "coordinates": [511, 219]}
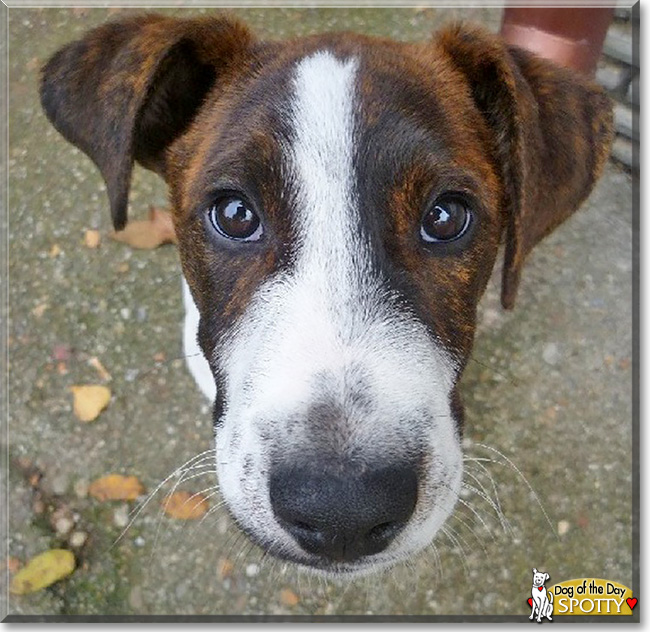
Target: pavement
{"type": "Point", "coordinates": [548, 394]}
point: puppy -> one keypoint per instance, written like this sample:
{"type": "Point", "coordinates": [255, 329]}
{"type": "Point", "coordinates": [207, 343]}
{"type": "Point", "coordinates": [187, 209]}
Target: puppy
{"type": "Point", "coordinates": [339, 202]}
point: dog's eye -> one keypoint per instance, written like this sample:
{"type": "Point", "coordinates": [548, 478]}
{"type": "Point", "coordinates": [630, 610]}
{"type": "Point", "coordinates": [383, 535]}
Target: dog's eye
{"type": "Point", "coordinates": [234, 218]}
{"type": "Point", "coordinates": [446, 220]}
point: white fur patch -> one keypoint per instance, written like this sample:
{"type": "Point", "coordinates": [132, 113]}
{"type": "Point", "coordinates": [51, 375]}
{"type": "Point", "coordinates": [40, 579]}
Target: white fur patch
{"type": "Point", "coordinates": [327, 328]}
{"type": "Point", "coordinates": [196, 362]}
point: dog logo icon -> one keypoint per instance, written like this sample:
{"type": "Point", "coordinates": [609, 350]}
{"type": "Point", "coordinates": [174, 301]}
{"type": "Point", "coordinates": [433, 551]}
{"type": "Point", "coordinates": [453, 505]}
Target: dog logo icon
{"type": "Point", "coordinates": [541, 600]}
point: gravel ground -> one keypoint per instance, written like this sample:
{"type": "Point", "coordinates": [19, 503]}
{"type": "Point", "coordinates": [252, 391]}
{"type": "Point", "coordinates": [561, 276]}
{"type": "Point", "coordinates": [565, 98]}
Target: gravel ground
{"type": "Point", "coordinates": [548, 394]}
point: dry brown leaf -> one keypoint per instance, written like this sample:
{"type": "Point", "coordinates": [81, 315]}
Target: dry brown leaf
{"type": "Point", "coordinates": [116, 487]}
{"type": "Point", "coordinates": [33, 64]}
{"type": "Point", "coordinates": [92, 238]}
{"type": "Point", "coordinates": [42, 571]}
{"type": "Point", "coordinates": [13, 564]}
{"type": "Point", "coordinates": [55, 250]}
{"type": "Point", "coordinates": [226, 568]}
{"type": "Point", "coordinates": [39, 310]}
{"type": "Point", "coordinates": [150, 233]}
{"type": "Point", "coordinates": [90, 400]}
{"type": "Point", "coordinates": [185, 505]}
{"type": "Point", "coordinates": [99, 367]}
{"type": "Point", "coordinates": [288, 597]}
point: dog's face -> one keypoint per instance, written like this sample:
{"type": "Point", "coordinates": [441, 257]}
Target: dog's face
{"type": "Point", "coordinates": [339, 202]}
{"type": "Point", "coordinates": [539, 578]}
{"type": "Point", "coordinates": [338, 327]}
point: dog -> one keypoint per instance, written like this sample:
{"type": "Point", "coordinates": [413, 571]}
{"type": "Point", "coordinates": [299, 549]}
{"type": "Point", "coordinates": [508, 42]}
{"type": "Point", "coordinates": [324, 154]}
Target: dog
{"type": "Point", "coordinates": [339, 202]}
{"type": "Point", "coordinates": [542, 599]}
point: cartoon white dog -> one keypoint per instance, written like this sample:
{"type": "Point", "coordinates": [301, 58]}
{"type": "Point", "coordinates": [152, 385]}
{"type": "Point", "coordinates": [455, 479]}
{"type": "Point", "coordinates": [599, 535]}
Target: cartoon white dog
{"type": "Point", "coordinates": [542, 598]}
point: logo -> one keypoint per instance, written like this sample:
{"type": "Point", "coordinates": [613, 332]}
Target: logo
{"type": "Point", "coordinates": [541, 600]}
{"type": "Point", "coordinates": [584, 596]}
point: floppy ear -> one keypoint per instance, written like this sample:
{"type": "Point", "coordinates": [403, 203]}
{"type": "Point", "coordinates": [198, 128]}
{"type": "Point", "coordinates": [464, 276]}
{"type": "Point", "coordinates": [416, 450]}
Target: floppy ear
{"type": "Point", "coordinates": [552, 130]}
{"type": "Point", "coordinates": [127, 89]}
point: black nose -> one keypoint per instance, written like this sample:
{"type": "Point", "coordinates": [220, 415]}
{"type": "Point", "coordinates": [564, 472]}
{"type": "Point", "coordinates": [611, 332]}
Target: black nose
{"type": "Point", "coordinates": [347, 515]}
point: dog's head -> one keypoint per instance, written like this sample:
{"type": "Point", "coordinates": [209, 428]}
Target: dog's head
{"type": "Point", "coordinates": [339, 203]}
{"type": "Point", "coordinates": [539, 577]}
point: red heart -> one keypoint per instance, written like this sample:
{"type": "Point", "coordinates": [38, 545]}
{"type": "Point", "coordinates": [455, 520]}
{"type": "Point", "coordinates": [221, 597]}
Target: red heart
{"type": "Point", "coordinates": [631, 602]}
{"type": "Point", "coordinates": [530, 601]}
{"type": "Point", "coordinates": [541, 588]}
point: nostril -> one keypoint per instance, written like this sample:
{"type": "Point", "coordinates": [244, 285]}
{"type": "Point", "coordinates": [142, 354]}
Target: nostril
{"type": "Point", "coordinates": [385, 531]}
{"type": "Point", "coordinates": [303, 526]}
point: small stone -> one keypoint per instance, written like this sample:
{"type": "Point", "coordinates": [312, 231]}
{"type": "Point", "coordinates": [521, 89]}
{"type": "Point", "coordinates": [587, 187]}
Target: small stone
{"type": "Point", "coordinates": [125, 313]}
{"type": "Point", "coordinates": [130, 375]}
{"type": "Point", "coordinates": [81, 488]}
{"type": "Point", "coordinates": [563, 527]}
{"type": "Point", "coordinates": [64, 525]}
{"type": "Point", "coordinates": [92, 238]}
{"type": "Point", "coordinates": [288, 597]}
{"type": "Point", "coordinates": [121, 516]}
{"type": "Point", "coordinates": [252, 570]}
{"type": "Point", "coordinates": [59, 484]}
{"type": "Point", "coordinates": [139, 541]}
{"type": "Point", "coordinates": [551, 354]}
{"type": "Point", "coordinates": [78, 539]}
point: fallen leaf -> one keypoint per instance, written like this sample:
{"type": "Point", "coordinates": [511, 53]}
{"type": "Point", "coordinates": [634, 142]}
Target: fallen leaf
{"type": "Point", "coordinates": [90, 400]}
{"type": "Point", "coordinates": [226, 568]}
{"type": "Point", "coordinates": [32, 64]}
{"type": "Point", "coordinates": [92, 238]}
{"type": "Point", "coordinates": [42, 571]}
{"type": "Point", "coordinates": [150, 233]}
{"type": "Point", "coordinates": [55, 250]}
{"type": "Point", "coordinates": [99, 367]}
{"type": "Point", "coordinates": [13, 564]}
{"type": "Point", "coordinates": [61, 352]}
{"type": "Point", "coordinates": [116, 487]}
{"type": "Point", "coordinates": [288, 597]}
{"type": "Point", "coordinates": [61, 368]}
{"type": "Point", "coordinates": [185, 505]}
{"type": "Point", "coordinates": [39, 310]}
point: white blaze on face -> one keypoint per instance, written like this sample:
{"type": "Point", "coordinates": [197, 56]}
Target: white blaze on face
{"type": "Point", "coordinates": [315, 328]}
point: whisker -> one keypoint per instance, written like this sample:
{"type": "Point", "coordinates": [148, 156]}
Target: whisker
{"type": "Point", "coordinates": [190, 463]}
{"type": "Point", "coordinates": [523, 478]}
{"type": "Point", "coordinates": [494, 502]}
{"type": "Point", "coordinates": [463, 558]}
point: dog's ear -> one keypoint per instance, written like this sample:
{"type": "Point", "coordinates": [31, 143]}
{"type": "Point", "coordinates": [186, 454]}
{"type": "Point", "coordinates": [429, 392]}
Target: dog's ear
{"type": "Point", "coordinates": [547, 576]}
{"type": "Point", "coordinates": [128, 88]}
{"type": "Point", "coordinates": [551, 129]}
{"type": "Point", "coordinates": [534, 570]}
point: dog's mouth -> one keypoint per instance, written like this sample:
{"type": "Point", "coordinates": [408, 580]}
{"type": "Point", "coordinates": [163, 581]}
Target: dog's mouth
{"type": "Point", "coordinates": [318, 565]}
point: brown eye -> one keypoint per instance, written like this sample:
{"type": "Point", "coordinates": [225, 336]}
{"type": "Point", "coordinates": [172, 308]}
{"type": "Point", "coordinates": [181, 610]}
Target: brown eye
{"type": "Point", "coordinates": [448, 219]}
{"type": "Point", "coordinates": [234, 218]}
